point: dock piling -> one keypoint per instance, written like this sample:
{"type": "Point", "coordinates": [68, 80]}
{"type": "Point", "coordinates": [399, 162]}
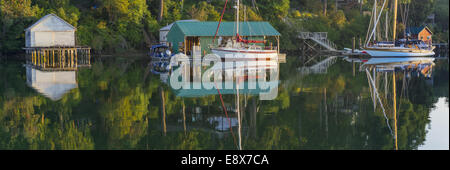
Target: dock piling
{"type": "Point", "coordinates": [58, 58]}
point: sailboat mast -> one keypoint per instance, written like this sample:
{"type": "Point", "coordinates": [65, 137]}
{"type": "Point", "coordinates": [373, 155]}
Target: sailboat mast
{"type": "Point", "coordinates": [375, 20]}
{"type": "Point", "coordinates": [395, 21]}
{"type": "Point", "coordinates": [387, 26]}
{"type": "Point", "coordinates": [237, 17]}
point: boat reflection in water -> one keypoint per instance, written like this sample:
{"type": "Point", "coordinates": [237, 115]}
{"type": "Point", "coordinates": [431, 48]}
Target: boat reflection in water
{"type": "Point", "coordinates": [237, 78]}
{"type": "Point", "coordinates": [245, 77]}
{"type": "Point", "coordinates": [421, 66]}
{"type": "Point", "coordinates": [161, 68]}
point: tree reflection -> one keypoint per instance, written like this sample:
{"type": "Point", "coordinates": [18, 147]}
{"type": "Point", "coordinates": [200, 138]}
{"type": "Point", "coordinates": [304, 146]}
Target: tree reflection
{"type": "Point", "coordinates": [117, 105]}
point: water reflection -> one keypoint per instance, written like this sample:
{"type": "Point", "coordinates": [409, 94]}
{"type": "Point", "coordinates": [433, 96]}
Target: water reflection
{"type": "Point", "coordinates": [53, 84]}
{"type": "Point", "coordinates": [118, 104]}
{"type": "Point", "coordinates": [406, 66]}
{"type": "Point", "coordinates": [246, 78]}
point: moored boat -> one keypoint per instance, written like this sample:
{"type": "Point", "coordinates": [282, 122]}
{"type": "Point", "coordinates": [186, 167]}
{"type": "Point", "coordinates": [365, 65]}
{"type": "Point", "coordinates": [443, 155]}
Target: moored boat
{"type": "Point", "coordinates": [160, 52]}
{"type": "Point", "coordinates": [399, 48]}
{"type": "Point", "coordinates": [397, 52]}
{"type": "Point", "coordinates": [239, 49]}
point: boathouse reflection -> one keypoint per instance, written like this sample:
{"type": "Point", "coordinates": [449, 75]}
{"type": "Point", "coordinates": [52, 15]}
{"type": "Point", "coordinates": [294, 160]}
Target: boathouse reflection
{"type": "Point", "coordinates": [52, 84]}
{"type": "Point", "coordinates": [53, 79]}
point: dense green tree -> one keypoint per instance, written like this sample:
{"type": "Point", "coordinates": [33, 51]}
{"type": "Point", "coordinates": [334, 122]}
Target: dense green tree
{"type": "Point", "coordinates": [15, 16]}
{"type": "Point", "coordinates": [127, 25]}
{"type": "Point", "coordinates": [274, 10]}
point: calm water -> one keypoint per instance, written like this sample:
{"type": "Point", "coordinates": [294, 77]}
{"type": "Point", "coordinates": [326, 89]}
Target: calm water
{"type": "Point", "coordinates": [117, 104]}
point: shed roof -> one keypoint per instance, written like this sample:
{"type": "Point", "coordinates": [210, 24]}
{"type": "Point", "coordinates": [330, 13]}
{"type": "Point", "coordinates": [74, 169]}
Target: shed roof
{"type": "Point", "coordinates": [168, 27]}
{"type": "Point", "coordinates": [417, 30]}
{"type": "Point", "coordinates": [61, 26]}
{"type": "Point", "coordinates": [226, 29]}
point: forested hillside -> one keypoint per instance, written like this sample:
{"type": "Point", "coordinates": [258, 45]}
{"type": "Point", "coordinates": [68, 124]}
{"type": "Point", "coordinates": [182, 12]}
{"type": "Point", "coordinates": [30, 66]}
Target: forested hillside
{"type": "Point", "coordinates": [112, 26]}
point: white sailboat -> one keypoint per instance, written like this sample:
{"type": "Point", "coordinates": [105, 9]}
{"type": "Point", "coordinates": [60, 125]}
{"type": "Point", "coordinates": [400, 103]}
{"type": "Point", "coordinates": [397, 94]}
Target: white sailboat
{"type": "Point", "coordinates": [395, 48]}
{"type": "Point", "coordinates": [240, 49]}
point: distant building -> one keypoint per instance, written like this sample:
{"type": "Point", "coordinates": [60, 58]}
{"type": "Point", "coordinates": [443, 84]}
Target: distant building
{"type": "Point", "coordinates": [421, 33]}
{"type": "Point", "coordinates": [50, 31]}
{"type": "Point", "coordinates": [185, 35]}
{"type": "Point", "coordinates": [165, 30]}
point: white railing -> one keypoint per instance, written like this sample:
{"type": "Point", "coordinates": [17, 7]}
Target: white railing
{"type": "Point", "coordinates": [319, 68]}
{"type": "Point", "coordinates": [319, 37]}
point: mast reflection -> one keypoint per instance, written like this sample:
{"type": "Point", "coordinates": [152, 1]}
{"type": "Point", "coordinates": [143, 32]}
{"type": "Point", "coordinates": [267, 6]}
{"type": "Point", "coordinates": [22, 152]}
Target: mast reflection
{"type": "Point", "coordinates": [419, 66]}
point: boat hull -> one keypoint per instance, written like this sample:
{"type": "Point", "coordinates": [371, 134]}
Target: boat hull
{"type": "Point", "coordinates": [398, 52]}
{"type": "Point", "coordinates": [233, 54]}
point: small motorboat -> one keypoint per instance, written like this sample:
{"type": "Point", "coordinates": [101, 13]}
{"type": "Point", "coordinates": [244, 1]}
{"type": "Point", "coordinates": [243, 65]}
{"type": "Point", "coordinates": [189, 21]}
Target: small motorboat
{"type": "Point", "coordinates": [160, 52]}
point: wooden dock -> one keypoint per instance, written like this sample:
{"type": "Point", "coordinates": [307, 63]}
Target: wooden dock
{"type": "Point", "coordinates": [441, 50]}
{"type": "Point", "coordinates": [58, 58]}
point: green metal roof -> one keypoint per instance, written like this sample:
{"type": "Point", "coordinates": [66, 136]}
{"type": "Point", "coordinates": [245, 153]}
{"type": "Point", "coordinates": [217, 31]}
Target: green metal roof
{"type": "Point", "coordinates": [226, 29]}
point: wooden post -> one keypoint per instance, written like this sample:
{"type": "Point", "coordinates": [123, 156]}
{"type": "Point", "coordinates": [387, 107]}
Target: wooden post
{"type": "Point", "coordinates": [354, 69]}
{"type": "Point", "coordinates": [39, 58]}
{"type": "Point", "coordinates": [60, 57]}
{"type": "Point", "coordinates": [32, 57]}
{"type": "Point", "coordinates": [354, 44]}
{"type": "Point", "coordinates": [73, 57]}
{"type": "Point", "coordinates": [76, 57]}
{"type": "Point", "coordinates": [375, 87]}
{"type": "Point", "coordinates": [45, 58]}
{"type": "Point", "coordinates": [163, 110]}
{"type": "Point", "coordinates": [53, 57]}
{"type": "Point", "coordinates": [278, 44]}
{"type": "Point", "coordinates": [89, 52]}
{"type": "Point", "coordinates": [184, 117]}
{"type": "Point", "coordinates": [63, 55]}
{"type": "Point", "coordinates": [185, 46]}
{"type": "Point", "coordinates": [70, 58]}
{"type": "Point", "coordinates": [360, 43]}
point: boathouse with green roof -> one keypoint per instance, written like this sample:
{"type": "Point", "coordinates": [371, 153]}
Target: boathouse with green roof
{"type": "Point", "coordinates": [184, 35]}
